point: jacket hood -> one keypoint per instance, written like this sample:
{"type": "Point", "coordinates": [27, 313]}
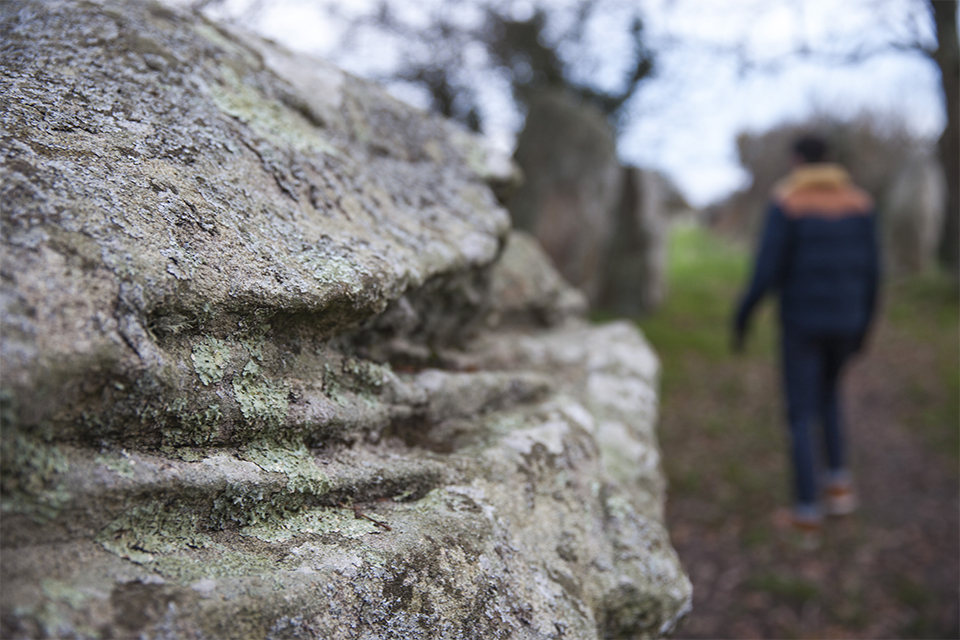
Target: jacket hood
{"type": "Point", "coordinates": [822, 175]}
{"type": "Point", "coordinates": [821, 189]}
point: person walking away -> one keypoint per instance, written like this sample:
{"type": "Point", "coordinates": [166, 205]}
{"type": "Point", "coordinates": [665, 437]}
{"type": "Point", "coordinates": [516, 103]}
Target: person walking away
{"type": "Point", "coordinates": [819, 253]}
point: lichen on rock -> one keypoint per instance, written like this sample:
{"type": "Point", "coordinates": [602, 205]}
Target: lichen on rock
{"type": "Point", "coordinates": [209, 359]}
{"type": "Point", "coordinates": [260, 399]}
{"type": "Point", "coordinates": [274, 364]}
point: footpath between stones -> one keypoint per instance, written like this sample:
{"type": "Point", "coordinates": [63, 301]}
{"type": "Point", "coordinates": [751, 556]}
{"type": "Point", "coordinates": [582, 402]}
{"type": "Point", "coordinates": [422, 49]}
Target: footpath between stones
{"type": "Point", "coordinates": [890, 570]}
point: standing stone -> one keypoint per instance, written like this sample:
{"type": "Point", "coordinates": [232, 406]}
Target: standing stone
{"type": "Point", "coordinates": [634, 274]}
{"type": "Point", "coordinates": [572, 186]}
{"type": "Point", "coordinates": [273, 367]}
{"type": "Point", "coordinates": [913, 215]}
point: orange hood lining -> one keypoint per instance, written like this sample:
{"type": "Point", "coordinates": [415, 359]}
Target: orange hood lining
{"type": "Point", "coordinates": [821, 190]}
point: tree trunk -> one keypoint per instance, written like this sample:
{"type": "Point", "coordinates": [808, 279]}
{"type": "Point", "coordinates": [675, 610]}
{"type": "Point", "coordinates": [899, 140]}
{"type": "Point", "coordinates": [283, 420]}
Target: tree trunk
{"type": "Point", "coordinates": [947, 57]}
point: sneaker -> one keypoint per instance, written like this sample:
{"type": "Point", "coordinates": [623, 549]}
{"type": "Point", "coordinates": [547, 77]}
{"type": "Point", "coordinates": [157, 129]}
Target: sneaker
{"type": "Point", "coordinates": [803, 527]}
{"type": "Point", "coordinates": [841, 500]}
{"type": "Point", "coordinates": [808, 531]}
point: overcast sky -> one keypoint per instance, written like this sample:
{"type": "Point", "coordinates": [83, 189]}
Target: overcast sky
{"type": "Point", "coordinates": [684, 121]}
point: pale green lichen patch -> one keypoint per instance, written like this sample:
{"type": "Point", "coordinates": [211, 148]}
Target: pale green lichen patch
{"type": "Point", "coordinates": [54, 620]}
{"type": "Point", "coordinates": [270, 118]}
{"type": "Point", "coordinates": [317, 521]}
{"type": "Point", "coordinates": [142, 532]}
{"type": "Point", "coordinates": [331, 384]}
{"type": "Point", "coordinates": [210, 359]}
{"type": "Point", "coordinates": [254, 504]}
{"type": "Point", "coordinates": [63, 592]}
{"type": "Point", "coordinates": [473, 152]}
{"type": "Point", "coordinates": [439, 500]}
{"type": "Point", "coordinates": [259, 505]}
{"type": "Point", "coordinates": [30, 473]}
{"type": "Point", "coordinates": [215, 37]}
{"type": "Point", "coordinates": [619, 507]}
{"type": "Point", "coordinates": [260, 399]}
{"type": "Point", "coordinates": [244, 504]}
{"type": "Point", "coordinates": [334, 270]}
{"type": "Point", "coordinates": [122, 465]}
{"type": "Point", "coordinates": [254, 346]}
{"type": "Point", "coordinates": [303, 473]}
{"type": "Point", "coordinates": [217, 562]}
{"type": "Point", "coordinates": [475, 197]}
{"type": "Point", "coordinates": [367, 376]}
{"type": "Point", "coordinates": [183, 426]}
{"type": "Point", "coordinates": [187, 454]}
{"type": "Point", "coordinates": [354, 381]}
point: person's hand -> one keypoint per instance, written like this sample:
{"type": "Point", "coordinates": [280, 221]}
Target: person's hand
{"type": "Point", "coordinates": [862, 340]}
{"type": "Point", "coordinates": [738, 338]}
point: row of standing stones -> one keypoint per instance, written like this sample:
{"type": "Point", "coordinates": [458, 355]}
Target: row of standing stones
{"type": "Point", "coordinates": [275, 366]}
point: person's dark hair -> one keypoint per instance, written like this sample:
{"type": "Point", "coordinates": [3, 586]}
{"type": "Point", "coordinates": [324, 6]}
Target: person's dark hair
{"type": "Point", "coordinates": [811, 148]}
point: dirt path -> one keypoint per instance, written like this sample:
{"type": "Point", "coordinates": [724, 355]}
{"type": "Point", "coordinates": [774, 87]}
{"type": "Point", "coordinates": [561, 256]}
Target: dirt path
{"type": "Point", "coordinates": [892, 570]}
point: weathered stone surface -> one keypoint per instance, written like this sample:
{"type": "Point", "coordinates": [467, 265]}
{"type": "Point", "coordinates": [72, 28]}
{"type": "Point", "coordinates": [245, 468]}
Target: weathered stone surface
{"type": "Point", "coordinates": [273, 369]}
{"type": "Point", "coordinates": [635, 261]}
{"type": "Point", "coordinates": [526, 289]}
{"type": "Point", "coordinates": [572, 186]}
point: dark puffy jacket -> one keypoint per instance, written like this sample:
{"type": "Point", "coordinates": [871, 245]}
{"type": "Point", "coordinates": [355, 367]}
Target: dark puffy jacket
{"type": "Point", "coordinates": [819, 252]}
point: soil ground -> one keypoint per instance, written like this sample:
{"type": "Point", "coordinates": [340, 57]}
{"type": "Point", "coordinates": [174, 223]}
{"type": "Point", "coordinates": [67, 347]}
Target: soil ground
{"type": "Point", "coordinates": [892, 569]}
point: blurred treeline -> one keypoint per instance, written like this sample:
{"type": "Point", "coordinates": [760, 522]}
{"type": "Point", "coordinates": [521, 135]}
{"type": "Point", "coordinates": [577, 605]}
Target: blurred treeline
{"type": "Point", "coordinates": [573, 70]}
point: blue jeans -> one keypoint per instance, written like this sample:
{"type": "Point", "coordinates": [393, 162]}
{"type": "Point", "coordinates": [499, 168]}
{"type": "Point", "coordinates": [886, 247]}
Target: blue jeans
{"type": "Point", "coordinates": [812, 364]}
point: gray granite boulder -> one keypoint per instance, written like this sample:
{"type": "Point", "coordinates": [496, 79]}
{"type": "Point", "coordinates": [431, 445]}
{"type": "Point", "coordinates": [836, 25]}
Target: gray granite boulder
{"type": "Point", "coordinates": [274, 367]}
